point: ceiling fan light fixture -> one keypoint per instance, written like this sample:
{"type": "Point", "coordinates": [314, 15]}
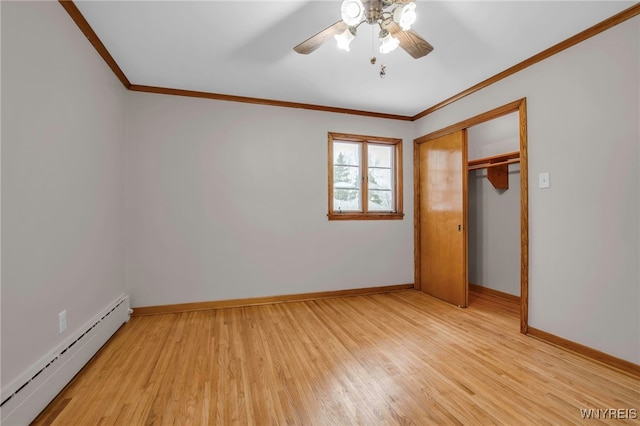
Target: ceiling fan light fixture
{"type": "Point", "coordinates": [352, 12]}
{"type": "Point", "coordinates": [388, 43]}
{"type": "Point", "coordinates": [393, 17]}
{"type": "Point", "coordinates": [344, 39]}
{"type": "Point", "coordinates": [405, 15]}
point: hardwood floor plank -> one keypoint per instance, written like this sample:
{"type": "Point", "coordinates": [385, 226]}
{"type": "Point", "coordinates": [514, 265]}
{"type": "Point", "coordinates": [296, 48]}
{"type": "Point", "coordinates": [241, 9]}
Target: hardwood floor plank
{"type": "Point", "coordinates": [398, 358]}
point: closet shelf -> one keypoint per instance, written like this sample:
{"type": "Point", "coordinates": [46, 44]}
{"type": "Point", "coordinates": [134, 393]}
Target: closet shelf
{"type": "Point", "coordinates": [497, 167]}
{"type": "Point", "coordinates": [482, 163]}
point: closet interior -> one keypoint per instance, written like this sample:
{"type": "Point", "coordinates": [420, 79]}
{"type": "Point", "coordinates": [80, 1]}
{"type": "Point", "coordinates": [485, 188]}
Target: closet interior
{"type": "Point", "coordinates": [494, 207]}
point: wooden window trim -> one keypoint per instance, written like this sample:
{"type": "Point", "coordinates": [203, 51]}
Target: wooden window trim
{"type": "Point", "coordinates": [397, 184]}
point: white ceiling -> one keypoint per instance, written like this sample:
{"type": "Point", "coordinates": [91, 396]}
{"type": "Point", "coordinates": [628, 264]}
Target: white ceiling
{"type": "Point", "coordinates": [245, 48]}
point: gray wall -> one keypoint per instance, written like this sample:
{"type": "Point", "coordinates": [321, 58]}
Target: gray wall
{"type": "Point", "coordinates": [228, 200]}
{"type": "Point", "coordinates": [584, 243]}
{"type": "Point", "coordinates": [62, 182]}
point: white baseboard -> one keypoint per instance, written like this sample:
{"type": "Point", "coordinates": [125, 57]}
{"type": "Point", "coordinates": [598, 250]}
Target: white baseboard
{"type": "Point", "coordinates": [24, 398]}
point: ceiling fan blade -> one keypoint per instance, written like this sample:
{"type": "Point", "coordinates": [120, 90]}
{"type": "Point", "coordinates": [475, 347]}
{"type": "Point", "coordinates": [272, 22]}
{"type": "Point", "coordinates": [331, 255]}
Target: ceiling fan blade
{"type": "Point", "coordinates": [313, 42]}
{"type": "Point", "coordinates": [410, 41]}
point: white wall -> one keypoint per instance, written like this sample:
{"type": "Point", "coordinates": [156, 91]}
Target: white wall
{"type": "Point", "coordinates": [583, 108]}
{"type": "Point", "coordinates": [62, 182]}
{"type": "Point", "coordinates": [228, 200]}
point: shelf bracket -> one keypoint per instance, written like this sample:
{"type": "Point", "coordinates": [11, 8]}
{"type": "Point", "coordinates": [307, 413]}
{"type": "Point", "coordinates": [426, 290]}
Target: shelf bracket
{"type": "Point", "coordinates": [499, 176]}
{"type": "Point", "coordinates": [497, 168]}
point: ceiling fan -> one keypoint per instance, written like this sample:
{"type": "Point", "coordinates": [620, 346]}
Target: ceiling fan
{"type": "Point", "coordinates": [394, 17]}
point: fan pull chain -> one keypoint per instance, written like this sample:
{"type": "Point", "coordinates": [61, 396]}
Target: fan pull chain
{"type": "Point", "coordinates": [383, 68]}
{"type": "Point", "coordinates": [373, 42]}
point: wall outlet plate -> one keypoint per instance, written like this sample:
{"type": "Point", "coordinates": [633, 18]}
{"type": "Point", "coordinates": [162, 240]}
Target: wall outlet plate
{"type": "Point", "coordinates": [62, 321]}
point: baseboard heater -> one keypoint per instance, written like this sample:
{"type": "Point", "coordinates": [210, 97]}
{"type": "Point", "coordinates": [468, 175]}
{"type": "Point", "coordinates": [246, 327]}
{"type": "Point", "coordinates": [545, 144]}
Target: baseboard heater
{"type": "Point", "coordinates": [24, 398]}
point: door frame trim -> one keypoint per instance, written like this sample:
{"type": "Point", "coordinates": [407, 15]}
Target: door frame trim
{"type": "Point", "coordinates": [519, 106]}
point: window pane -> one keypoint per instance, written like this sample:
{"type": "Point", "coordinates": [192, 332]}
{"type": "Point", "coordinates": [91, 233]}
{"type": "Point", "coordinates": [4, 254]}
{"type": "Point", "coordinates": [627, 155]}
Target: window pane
{"type": "Point", "coordinates": [381, 201]}
{"type": "Point", "coordinates": [346, 200]}
{"type": "Point", "coordinates": [380, 179]}
{"type": "Point", "coordinates": [345, 153]}
{"type": "Point", "coordinates": [380, 155]}
{"type": "Point", "coordinates": [346, 177]}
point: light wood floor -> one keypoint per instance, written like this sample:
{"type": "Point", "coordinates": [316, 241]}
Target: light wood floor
{"type": "Point", "coordinates": [397, 358]}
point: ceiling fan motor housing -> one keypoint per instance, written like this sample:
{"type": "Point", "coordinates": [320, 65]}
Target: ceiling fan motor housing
{"type": "Point", "coordinates": [373, 10]}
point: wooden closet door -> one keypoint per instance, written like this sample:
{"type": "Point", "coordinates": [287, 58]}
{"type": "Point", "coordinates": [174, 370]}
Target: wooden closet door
{"type": "Point", "coordinates": [443, 217]}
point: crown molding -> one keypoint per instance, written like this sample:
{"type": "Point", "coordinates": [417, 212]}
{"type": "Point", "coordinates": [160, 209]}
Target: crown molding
{"type": "Point", "coordinates": [93, 38]}
{"type": "Point", "coordinates": [261, 101]}
{"type": "Point", "coordinates": [571, 41]}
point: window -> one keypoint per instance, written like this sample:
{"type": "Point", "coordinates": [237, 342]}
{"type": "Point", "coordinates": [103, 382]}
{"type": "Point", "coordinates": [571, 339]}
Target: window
{"type": "Point", "coordinates": [365, 177]}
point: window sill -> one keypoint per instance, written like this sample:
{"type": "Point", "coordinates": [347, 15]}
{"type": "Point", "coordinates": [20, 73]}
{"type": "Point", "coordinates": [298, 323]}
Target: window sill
{"type": "Point", "coordinates": [364, 216]}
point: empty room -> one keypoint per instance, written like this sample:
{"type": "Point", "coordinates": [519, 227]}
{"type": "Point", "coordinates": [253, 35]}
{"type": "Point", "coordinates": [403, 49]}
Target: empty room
{"type": "Point", "coordinates": [320, 212]}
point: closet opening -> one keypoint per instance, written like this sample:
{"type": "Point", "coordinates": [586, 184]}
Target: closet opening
{"type": "Point", "coordinates": [471, 210]}
{"type": "Point", "coordinates": [494, 210]}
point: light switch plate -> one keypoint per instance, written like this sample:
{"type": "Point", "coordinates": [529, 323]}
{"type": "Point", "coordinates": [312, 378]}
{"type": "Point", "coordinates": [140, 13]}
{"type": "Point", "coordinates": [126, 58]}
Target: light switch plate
{"type": "Point", "coordinates": [543, 180]}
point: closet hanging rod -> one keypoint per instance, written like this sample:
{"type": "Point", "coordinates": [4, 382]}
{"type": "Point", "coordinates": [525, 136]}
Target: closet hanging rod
{"type": "Point", "coordinates": [495, 160]}
{"type": "Point", "coordinates": [489, 165]}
